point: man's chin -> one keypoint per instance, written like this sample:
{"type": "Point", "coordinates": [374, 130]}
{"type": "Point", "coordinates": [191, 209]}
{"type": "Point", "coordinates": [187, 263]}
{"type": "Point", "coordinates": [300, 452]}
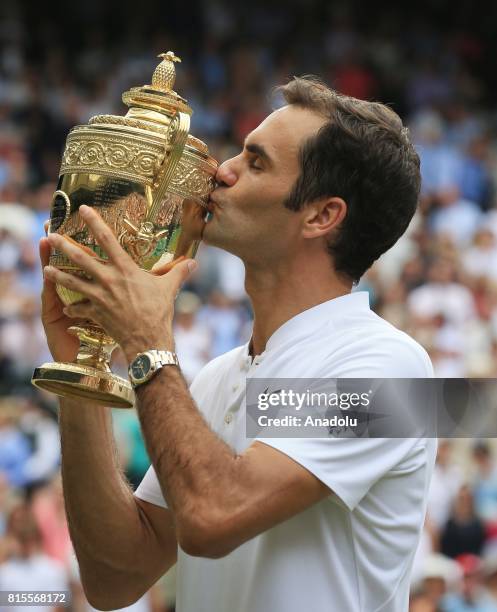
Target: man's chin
{"type": "Point", "coordinates": [213, 237]}
{"type": "Point", "coordinates": [209, 234]}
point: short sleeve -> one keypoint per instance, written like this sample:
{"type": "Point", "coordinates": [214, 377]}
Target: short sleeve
{"type": "Point", "coordinates": [349, 467]}
{"type": "Point", "coordinates": [149, 489]}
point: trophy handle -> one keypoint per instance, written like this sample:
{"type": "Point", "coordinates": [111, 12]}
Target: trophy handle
{"type": "Point", "coordinates": [177, 136]}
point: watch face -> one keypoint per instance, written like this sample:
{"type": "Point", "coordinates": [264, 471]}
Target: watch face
{"type": "Point", "coordinates": [141, 367]}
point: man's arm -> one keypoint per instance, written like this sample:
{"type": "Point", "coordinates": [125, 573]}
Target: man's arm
{"type": "Point", "coordinates": [219, 499]}
{"type": "Point", "coordinates": [123, 544]}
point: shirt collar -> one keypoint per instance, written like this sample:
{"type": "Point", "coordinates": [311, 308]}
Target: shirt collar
{"type": "Point", "coordinates": [314, 317]}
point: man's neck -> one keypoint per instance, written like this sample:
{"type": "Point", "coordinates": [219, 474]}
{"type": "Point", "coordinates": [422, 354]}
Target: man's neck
{"type": "Point", "coordinates": [278, 296]}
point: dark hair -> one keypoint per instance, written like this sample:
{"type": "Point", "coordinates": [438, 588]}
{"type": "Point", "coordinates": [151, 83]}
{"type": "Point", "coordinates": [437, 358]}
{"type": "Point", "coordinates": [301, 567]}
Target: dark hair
{"type": "Point", "coordinates": [363, 155]}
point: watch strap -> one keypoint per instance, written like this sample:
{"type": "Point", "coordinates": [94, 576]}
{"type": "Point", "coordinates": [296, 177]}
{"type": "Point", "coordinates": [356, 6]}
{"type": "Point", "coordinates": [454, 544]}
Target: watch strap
{"type": "Point", "coordinates": [164, 357]}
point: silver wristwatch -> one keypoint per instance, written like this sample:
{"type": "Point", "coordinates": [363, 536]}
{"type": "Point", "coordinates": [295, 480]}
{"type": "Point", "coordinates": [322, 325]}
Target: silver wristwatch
{"type": "Point", "coordinates": [145, 365]}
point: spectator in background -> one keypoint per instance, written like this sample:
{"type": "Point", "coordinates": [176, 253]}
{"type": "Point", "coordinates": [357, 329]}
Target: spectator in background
{"type": "Point", "coordinates": [472, 596]}
{"type": "Point", "coordinates": [192, 338]}
{"type": "Point", "coordinates": [41, 428]}
{"type": "Point", "coordinates": [445, 484]}
{"type": "Point", "coordinates": [490, 577]}
{"type": "Point", "coordinates": [429, 86]}
{"type": "Point", "coordinates": [448, 347]}
{"type": "Point", "coordinates": [14, 446]}
{"type": "Point", "coordinates": [475, 179]}
{"type": "Point", "coordinates": [464, 532]}
{"type": "Point", "coordinates": [225, 319]}
{"type": "Point", "coordinates": [48, 511]}
{"type": "Point", "coordinates": [454, 216]}
{"type": "Point", "coordinates": [480, 259]}
{"type": "Point", "coordinates": [21, 336]}
{"type": "Point", "coordinates": [29, 443]}
{"type": "Point", "coordinates": [442, 294]}
{"type": "Point", "coordinates": [7, 498]}
{"type": "Point", "coordinates": [421, 603]}
{"type": "Point", "coordinates": [440, 576]}
{"type": "Point", "coordinates": [392, 305]}
{"type": "Point", "coordinates": [27, 567]}
{"type": "Point", "coordinates": [440, 163]}
{"type": "Point", "coordinates": [485, 486]}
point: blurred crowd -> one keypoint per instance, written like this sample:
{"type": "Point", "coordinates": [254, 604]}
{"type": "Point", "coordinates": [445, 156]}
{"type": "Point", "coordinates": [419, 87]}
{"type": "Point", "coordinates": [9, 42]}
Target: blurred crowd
{"type": "Point", "coordinates": [439, 283]}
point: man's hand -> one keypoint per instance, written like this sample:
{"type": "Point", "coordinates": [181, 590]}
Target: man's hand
{"type": "Point", "coordinates": [132, 305]}
{"type": "Point", "coordinates": [63, 346]}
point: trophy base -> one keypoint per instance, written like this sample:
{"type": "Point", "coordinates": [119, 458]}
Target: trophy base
{"type": "Point", "coordinates": [74, 380]}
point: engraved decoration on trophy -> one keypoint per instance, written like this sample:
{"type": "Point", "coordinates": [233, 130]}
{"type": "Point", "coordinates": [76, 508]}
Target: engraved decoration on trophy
{"type": "Point", "coordinates": [150, 181]}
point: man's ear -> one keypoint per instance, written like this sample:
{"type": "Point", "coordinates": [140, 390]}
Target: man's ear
{"type": "Point", "coordinates": [322, 216]}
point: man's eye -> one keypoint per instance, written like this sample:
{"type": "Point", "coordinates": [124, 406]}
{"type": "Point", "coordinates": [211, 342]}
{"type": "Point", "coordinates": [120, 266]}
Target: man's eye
{"type": "Point", "coordinates": [254, 164]}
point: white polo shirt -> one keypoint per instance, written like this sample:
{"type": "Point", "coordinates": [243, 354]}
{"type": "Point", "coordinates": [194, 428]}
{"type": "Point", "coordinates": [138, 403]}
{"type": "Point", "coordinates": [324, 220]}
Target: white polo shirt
{"type": "Point", "coordinates": [353, 551]}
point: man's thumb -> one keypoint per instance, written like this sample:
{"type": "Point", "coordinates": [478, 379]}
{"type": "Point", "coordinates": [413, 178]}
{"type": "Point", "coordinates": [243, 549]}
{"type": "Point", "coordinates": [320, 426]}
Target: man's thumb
{"type": "Point", "coordinates": [181, 271]}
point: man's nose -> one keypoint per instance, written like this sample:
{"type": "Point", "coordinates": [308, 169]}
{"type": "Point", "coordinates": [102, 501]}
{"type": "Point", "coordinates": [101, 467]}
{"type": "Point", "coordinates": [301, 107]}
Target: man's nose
{"type": "Point", "coordinates": [225, 174]}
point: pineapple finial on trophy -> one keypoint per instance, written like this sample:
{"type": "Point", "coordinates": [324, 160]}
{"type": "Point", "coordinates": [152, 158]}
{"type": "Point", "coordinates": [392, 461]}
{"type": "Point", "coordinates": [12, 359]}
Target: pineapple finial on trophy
{"type": "Point", "coordinates": [165, 73]}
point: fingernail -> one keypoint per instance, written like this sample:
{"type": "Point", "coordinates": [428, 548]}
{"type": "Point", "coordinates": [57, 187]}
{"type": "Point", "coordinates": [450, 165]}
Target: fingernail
{"type": "Point", "coordinates": [47, 270]}
{"type": "Point", "coordinates": [191, 265]}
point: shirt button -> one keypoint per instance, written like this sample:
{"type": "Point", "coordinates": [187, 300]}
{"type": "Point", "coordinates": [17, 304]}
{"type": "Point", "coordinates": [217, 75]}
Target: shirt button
{"type": "Point", "coordinates": [228, 418]}
{"type": "Point", "coordinates": [235, 387]}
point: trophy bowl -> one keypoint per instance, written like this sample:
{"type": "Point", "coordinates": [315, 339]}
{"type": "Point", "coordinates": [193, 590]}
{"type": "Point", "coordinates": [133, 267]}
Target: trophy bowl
{"type": "Point", "coordinates": [150, 181]}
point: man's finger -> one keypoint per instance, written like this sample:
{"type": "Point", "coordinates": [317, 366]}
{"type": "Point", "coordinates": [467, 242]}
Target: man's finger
{"type": "Point", "coordinates": [69, 281]}
{"type": "Point", "coordinates": [82, 256]}
{"type": "Point", "coordinates": [178, 275]}
{"type": "Point", "coordinates": [45, 250]}
{"type": "Point", "coordinates": [105, 238]}
{"type": "Point", "coordinates": [161, 270]}
{"type": "Point", "coordinates": [50, 302]}
{"type": "Point", "coordinates": [81, 310]}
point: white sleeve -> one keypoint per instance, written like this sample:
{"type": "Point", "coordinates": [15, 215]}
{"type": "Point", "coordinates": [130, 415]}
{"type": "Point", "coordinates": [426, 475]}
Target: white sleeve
{"type": "Point", "coordinates": [149, 489]}
{"type": "Point", "coordinates": [351, 466]}
{"type": "Point", "coordinates": [347, 466]}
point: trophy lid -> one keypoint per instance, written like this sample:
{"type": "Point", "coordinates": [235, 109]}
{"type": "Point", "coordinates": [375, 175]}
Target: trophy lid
{"type": "Point", "coordinates": [136, 146]}
{"type": "Point", "coordinates": [159, 95]}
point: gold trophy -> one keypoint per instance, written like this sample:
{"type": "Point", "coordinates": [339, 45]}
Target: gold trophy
{"type": "Point", "coordinates": [150, 181]}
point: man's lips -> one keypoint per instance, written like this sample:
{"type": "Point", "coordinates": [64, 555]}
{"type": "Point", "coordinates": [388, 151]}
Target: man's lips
{"type": "Point", "coordinates": [212, 204]}
{"type": "Point", "coordinates": [210, 207]}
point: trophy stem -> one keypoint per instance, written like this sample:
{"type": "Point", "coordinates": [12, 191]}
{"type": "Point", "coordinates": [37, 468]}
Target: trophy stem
{"type": "Point", "coordinates": [95, 347]}
{"type": "Point", "coordinates": [90, 377]}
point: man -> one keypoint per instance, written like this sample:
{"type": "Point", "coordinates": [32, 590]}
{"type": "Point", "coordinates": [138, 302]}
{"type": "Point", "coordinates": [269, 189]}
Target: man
{"type": "Point", "coordinates": [320, 190]}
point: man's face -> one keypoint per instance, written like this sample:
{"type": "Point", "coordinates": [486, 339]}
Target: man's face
{"type": "Point", "coordinates": [249, 217]}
